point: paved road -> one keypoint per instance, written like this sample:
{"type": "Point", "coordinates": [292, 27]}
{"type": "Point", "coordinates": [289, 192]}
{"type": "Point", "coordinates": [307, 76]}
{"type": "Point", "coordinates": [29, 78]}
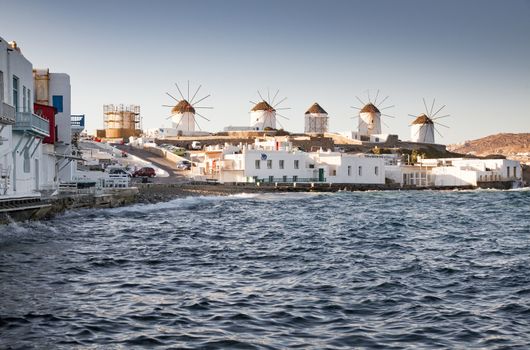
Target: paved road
{"type": "Point", "coordinates": [174, 174]}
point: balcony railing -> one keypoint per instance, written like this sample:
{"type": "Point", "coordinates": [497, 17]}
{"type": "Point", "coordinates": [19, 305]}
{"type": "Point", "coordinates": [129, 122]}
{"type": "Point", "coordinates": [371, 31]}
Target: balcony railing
{"type": "Point", "coordinates": [77, 122]}
{"type": "Point", "coordinates": [290, 180]}
{"type": "Point", "coordinates": [31, 123]}
{"type": "Point", "coordinates": [7, 113]}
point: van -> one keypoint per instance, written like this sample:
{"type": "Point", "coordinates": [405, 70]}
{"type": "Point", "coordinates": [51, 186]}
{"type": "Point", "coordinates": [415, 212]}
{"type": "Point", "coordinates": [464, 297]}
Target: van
{"type": "Point", "coordinates": [196, 145]}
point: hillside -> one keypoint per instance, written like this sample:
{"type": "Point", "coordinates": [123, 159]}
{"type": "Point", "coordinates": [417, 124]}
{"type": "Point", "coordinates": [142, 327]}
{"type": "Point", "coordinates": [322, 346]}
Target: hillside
{"type": "Point", "coordinates": [510, 145]}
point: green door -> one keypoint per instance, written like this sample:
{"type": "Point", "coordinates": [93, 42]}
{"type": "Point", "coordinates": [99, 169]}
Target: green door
{"type": "Point", "coordinates": [321, 175]}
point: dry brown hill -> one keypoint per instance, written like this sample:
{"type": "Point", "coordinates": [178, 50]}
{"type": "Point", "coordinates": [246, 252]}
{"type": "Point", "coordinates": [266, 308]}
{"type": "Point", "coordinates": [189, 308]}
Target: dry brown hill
{"type": "Point", "coordinates": [506, 144]}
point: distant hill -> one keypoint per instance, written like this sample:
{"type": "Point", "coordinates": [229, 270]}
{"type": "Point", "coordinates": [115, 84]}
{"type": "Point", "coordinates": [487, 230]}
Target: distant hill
{"type": "Point", "coordinates": [509, 145]}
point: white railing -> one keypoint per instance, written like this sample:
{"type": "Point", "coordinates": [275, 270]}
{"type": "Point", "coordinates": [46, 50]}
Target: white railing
{"type": "Point", "coordinates": [26, 121]}
{"type": "Point", "coordinates": [7, 113]}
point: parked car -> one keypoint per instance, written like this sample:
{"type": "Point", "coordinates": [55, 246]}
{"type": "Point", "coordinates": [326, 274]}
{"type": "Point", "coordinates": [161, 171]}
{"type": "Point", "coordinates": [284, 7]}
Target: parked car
{"type": "Point", "coordinates": [112, 170]}
{"type": "Point", "coordinates": [184, 165]}
{"type": "Point", "coordinates": [145, 171]}
{"type": "Point", "coordinates": [196, 145]}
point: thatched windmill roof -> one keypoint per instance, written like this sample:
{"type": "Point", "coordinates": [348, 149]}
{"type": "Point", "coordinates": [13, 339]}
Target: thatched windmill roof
{"type": "Point", "coordinates": [182, 107]}
{"type": "Point", "coordinates": [370, 108]}
{"type": "Point", "coordinates": [315, 108]}
{"type": "Point", "coordinates": [263, 106]}
{"type": "Point", "coordinates": [422, 119]}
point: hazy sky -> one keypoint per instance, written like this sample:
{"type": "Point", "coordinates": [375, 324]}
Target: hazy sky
{"type": "Point", "coordinates": [473, 56]}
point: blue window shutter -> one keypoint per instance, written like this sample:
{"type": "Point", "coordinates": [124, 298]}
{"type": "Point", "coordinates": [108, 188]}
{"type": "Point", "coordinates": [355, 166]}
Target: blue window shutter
{"type": "Point", "coordinates": [58, 103]}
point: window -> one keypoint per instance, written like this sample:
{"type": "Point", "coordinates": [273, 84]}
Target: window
{"type": "Point", "coordinates": [281, 165]}
{"type": "Point", "coordinates": [57, 101]}
{"type": "Point", "coordinates": [24, 102]}
{"type": "Point", "coordinates": [271, 178]}
{"type": "Point", "coordinates": [295, 178]}
{"type": "Point", "coordinates": [284, 178]}
{"type": "Point", "coordinates": [1, 86]}
{"type": "Point", "coordinates": [360, 171]}
{"type": "Point", "coordinates": [514, 171]}
{"type": "Point", "coordinates": [296, 164]}
{"type": "Point", "coordinates": [349, 170]}
{"type": "Point", "coordinates": [29, 100]}
{"type": "Point", "coordinates": [257, 163]}
{"type": "Point", "coordinates": [508, 171]}
{"type": "Point", "coordinates": [26, 161]}
{"type": "Point", "coordinates": [376, 170]}
{"type": "Point", "coordinates": [269, 164]}
{"type": "Point", "coordinates": [15, 92]}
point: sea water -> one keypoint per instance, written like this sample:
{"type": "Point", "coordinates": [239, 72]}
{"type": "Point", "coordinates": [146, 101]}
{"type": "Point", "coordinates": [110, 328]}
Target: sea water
{"type": "Point", "coordinates": [389, 270]}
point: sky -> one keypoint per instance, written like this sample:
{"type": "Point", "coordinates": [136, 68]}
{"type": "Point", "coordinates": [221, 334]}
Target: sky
{"type": "Point", "coordinates": [472, 56]}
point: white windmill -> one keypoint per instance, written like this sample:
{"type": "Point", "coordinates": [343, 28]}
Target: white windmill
{"type": "Point", "coordinates": [183, 113]}
{"type": "Point", "coordinates": [423, 126]}
{"type": "Point", "coordinates": [370, 115]}
{"type": "Point", "coordinates": [263, 114]}
{"type": "Point", "coordinates": [316, 120]}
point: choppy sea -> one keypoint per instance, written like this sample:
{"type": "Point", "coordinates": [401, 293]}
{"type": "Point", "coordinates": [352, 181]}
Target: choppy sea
{"type": "Point", "coordinates": [386, 270]}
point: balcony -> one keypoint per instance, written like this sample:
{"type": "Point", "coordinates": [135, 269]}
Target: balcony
{"type": "Point", "coordinates": [31, 123]}
{"type": "Point", "coordinates": [77, 122]}
{"type": "Point", "coordinates": [7, 113]}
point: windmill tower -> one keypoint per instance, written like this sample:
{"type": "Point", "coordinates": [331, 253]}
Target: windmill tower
{"type": "Point", "coordinates": [370, 115]}
{"type": "Point", "coordinates": [183, 114]}
{"type": "Point", "coordinates": [316, 120]}
{"type": "Point", "coordinates": [263, 114]}
{"type": "Point", "coordinates": [423, 126]}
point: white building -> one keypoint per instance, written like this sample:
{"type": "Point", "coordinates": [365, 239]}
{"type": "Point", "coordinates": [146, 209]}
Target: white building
{"type": "Point", "coordinates": [262, 116]}
{"type": "Point", "coordinates": [422, 129]}
{"type": "Point", "coordinates": [21, 131]}
{"type": "Point", "coordinates": [53, 89]}
{"type": "Point", "coordinates": [316, 120]}
{"type": "Point", "coordinates": [275, 160]}
{"type": "Point", "coordinates": [454, 172]}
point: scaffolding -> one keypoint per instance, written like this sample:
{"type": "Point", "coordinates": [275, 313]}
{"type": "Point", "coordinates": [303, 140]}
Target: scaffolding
{"type": "Point", "coordinates": [121, 121]}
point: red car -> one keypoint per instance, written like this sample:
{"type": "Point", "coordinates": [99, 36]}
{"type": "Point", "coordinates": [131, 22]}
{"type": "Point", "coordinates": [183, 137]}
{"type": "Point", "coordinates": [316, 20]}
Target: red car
{"type": "Point", "coordinates": [146, 171]}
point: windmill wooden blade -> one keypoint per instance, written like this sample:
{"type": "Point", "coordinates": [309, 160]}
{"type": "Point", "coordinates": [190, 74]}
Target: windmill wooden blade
{"type": "Point", "coordinates": [285, 98]}
{"type": "Point", "coordinates": [260, 96]}
{"type": "Point", "coordinates": [195, 94]}
{"type": "Point", "coordinates": [168, 106]}
{"type": "Point", "coordinates": [180, 92]}
{"type": "Point", "coordinates": [355, 107]}
{"type": "Point", "coordinates": [281, 115]}
{"type": "Point", "coordinates": [276, 94]}
{"type": "Point", "coordinates": [203, 117]}
{"type": "Point", "coordinates": [432, 107]}
{"type": "Point", "coordinates": [203, 107]}
{"type": "Point", "coordinates": [283, 108]}
{"type": "Point", "coordinates": [445, 126]}
{"type": "Point", "coordinates": [362, 103]}
{"type": "Point", "coordinates": [438, 111]}
{"type": "Point", "coordinates": [369, 100]}
{"type": "Point", "coordinates": [425, 104]}
{"type": "Point", "coordinates": [202, 99]}
{"type": "Point", "coordinates": [438, 132]}
{"type": "Point", "coordinates": [443, 116]}
{"type": "Point", "coordinates": [389, 116]}
{"type": "Point", "coordinates": [376, 95]}
{"type": "Point", "coordinates": [382, 109]}
{"type": "Point", "coordinates": [197, 124]}
{"type": "Point", "coordinates": [412, 115]}
{"type": "Point", "coordinates": [383, 101]}
{"type": "Point", "coordinates": [173, 97]}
